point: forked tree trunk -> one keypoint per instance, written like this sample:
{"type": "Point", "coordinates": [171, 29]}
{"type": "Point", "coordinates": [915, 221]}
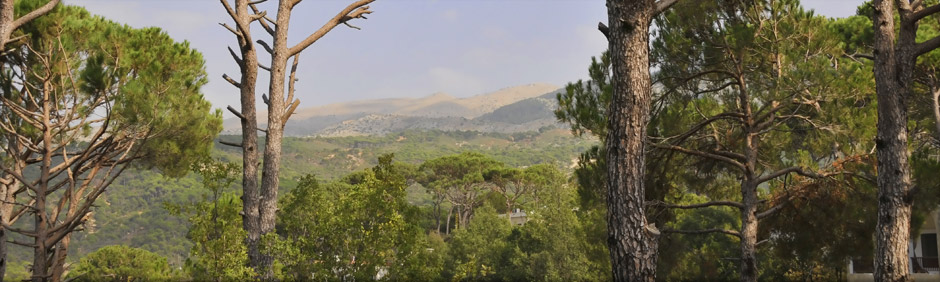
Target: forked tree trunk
{"type": "Point", "coordinates": [631, 241]}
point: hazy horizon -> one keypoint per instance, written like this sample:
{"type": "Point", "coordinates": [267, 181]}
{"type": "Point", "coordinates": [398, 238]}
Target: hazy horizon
{"type": "Point", "coordinates": [416, 49]}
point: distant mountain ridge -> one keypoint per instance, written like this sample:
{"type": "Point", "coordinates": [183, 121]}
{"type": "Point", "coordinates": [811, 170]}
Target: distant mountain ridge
{"type": "Point", "coordinates": [509, 110]}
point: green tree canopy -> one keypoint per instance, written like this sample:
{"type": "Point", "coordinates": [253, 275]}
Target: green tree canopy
{"type": "Point", "coordinates": [122, 263]}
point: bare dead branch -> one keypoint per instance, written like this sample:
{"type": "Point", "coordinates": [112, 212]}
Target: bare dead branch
{"type": "Point", "coordinates": [293, 79]}
{"type": "Point", "coordinates": [231, 81]}
{"type": "Point", "coordinates": [604, 29]}
{"type": "Point", "coordinates": [265, 46]}
{"type": "Point", "coordinates": [265, 21]}
{"type": "Point", "coordinates": [236, 113]}
{"type": "Point", "coordinates": [228, 8]}
{"type": "Point", "coordinates": [235, 56]}
{"type": "Point", "coordinates": [229, 28]}
{"type": "Point", "coordinates": [223, 142]}
{"type": "Point", "coordinates": [258, 16]}
{"type": "Point", "coordinates": [290, 111]}
{"type": "Point", "coordinates": [354, 11]}
{"type": "Point", "coordinates": [352, 26]}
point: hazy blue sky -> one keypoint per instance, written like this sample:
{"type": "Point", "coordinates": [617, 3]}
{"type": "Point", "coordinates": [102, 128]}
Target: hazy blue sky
{"type": "Point", "coordinates": [407, 48]}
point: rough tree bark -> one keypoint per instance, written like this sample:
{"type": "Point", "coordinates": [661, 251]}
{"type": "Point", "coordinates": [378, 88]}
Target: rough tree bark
{"type": "Point", "coordinates": [260, 203]}
{"type": "Point", "coordinates": [248, 66]}
{"type": "Point", "coordinates": [632, 242]}
{"type": "Point", "coordinates": [895, 58]}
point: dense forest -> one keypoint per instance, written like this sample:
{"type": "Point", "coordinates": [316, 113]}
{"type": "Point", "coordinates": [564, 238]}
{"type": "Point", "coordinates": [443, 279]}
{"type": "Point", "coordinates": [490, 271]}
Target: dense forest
{"type": "Point", "coordinates": [714, 140]}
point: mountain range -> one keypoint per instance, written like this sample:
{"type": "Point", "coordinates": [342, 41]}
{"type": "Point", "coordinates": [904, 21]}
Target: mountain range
{"type": "Point", "coordinates": [509, 110]}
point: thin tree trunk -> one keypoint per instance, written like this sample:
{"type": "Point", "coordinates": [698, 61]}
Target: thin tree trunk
{"type": "Point", "coordinates": [6, 216]}
{"type": "Point", "coordinates": [40, 250]}
{"type": "Point", "coordinates": [631, 241]}
{"type": "Point", "coordinates": [509, 212]}
{"type": "Point", "coordinates": [449, 214]}
{"type": "Point", "coordinates": [437, 216]}
{"type": "Point", "coordinates": [893, 68]}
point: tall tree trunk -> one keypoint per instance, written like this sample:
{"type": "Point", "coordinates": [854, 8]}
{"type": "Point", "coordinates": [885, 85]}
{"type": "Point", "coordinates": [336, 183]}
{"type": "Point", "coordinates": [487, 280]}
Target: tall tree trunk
{"type": "Point", "coordinates": [631, 241]}
{"type": "Point", "coordinates": [270, 174]}
{"type": "Point", "coordinates": [260, 203]}
{"type": "Point", "coordinates": [749, 200]}
{"type": "Point", "coordinates": [40, 249]}
{"type": "Point", "coordinates": [893, 68]}
{"type": "Point", "coordinates": [251, 193]}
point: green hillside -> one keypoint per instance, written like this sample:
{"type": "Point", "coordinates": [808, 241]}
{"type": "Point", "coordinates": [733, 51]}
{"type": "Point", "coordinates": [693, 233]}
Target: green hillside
{"type": "Point", "coordinates": [132, 210]}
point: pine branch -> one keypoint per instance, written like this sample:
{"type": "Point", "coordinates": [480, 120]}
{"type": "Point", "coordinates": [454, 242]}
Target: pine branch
{"type": "Point", "coordinates": [712, 156]}
{"type": "Point", "coordinates": [704, 231]}
{"type": "Point", "coordinates": [662, 5]}
{"type": "Point", "coordinates": [695, 206]}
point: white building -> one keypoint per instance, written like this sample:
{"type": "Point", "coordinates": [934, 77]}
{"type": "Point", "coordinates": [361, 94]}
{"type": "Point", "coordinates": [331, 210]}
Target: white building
{"type": "Point", "coordinates": [924, 251]}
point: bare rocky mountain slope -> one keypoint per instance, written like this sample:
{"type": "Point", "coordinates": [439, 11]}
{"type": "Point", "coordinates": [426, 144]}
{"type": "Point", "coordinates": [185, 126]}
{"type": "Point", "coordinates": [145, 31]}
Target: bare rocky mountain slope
{"type": "Point", "coordinates": [509, 110]}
